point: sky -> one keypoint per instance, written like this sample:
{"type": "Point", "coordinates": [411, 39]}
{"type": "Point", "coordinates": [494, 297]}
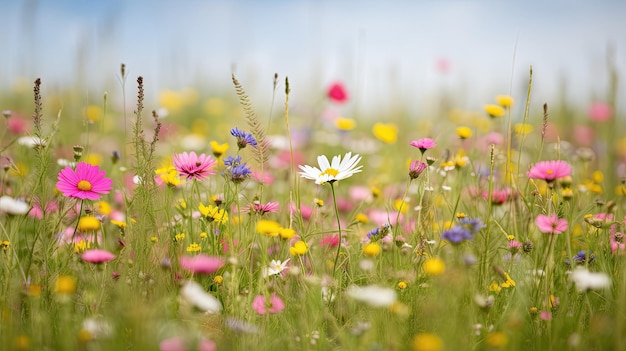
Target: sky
{"type": "Point", "coordinates": [382, 50]}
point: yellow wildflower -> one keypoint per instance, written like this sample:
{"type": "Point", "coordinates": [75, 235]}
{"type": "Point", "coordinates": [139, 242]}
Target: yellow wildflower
{"type": "Point", "coordinates": [213, 213]}
{"type": "Point", "coordinates": [361, 218]}
{"type": "Point", "coordinates": [93, 113]}
{"type": "Point", "coordinates": [402, 285]}
{"type": "Point", "coordinates": [523, 128]}
{"type": "Point", "coordinates": [179, 237]}
{"type": "Point", "coordinates": [88, 224]}
{"type": "Point", "coordinates": [298, 248]}
{"type": "Point", "coordinates": [346, 124]}
{"type": "Point", "coordinates": [103, 208]}
{"type": "Point", "coordinates": [494, 110]}
{"type": "Point", "coordinates": [218, 279]}
{"type": "Point", "coordinates": [497, 340]}
{"type": "Point", "coordinates": [171, 100]}
{"type": "Point", "coordinates": [464, 132]}
{"type": "Point", "coordinates": [505, 101]}
{"type": "Point", "coordinates": [371, 249]}
{"type": "Point", "coordinates": [65, 285]}
{"type": "Point", "coordinates": [287, 233]}
{"type": "Point", "coordinates": [268, 227]}
{"type": "Point", "coordinates": [434, 266]}
{"type": "Point", "coordinates": [203, 235]}
{"type": "Point", "coordinates": [400, 205]}
{"type": "Point", "coordinates": [154, 239]}
{"type": "Point", "coordinates": [218, 149]}
{"type": "Point", "coordinates": [427, 342]}
{"type": "Point", "coordinates": [387, 133]}
{"type": "Point", "coordinates": [194, 247]}
{"type": "Point", "coordinates": [120, 224]}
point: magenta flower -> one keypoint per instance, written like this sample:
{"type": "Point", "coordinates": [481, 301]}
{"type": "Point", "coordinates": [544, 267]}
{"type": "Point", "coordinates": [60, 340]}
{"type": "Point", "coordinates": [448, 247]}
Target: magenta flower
{"type": "Point", "coordinates": [600, 112]}
{"type": "Point", "coordinates": [262, 306]}
{"type": "Point", "coordinates": [172, 344]}
{"type": "Point", "coordinates": [551, 224]}
{"type": "Point", "coordinates": [424, 144]}
{"type": "Point", "coordinates": [201, 264]}
{"type": "Point", "coordinates": [257, 207]}
{"type": "Point", "coordinates": [85, 182]}
{"type": "Point", "coordinates": [549, 170]}
{"type": "Point", "coordinates": [97, 256]}
{"type": "Point", "coordinates": [337, 93]}
{"type": "Point", "coordinates": [193, 166]}
{"type": "Point", "coordinates": [416, 168]}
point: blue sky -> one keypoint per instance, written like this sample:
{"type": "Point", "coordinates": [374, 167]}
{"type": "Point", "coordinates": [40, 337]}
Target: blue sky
{"type": "Point", "coordinates": [380, 48]}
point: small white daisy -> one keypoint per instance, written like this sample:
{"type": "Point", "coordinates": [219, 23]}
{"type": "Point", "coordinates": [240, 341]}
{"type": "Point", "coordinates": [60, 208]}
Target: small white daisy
{"type": "Point", "coordinates": [276, 267]}
{"type": "Point", "coordinates": [330, 172]}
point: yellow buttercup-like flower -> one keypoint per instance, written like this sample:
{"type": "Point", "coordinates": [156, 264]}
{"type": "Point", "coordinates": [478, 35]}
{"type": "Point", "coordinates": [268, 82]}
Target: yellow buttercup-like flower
{"type": "Point", "coordinates": [464, 132]}
{"type": "Point", "coordinates": [218, 149]}
{"type": "Point", "coordinates": [494, 110]}
{"type": "Point", "coordinates": [505, 101]}
{"type": "Point", "coordinates": [387, 133]}
{"type": "Point", "coordinates": [268, 227]}
{"type": "Point", "coordinates": [434, 266]}
{"type": "Point", "coordinates": [298, 248]}
{"type": "Point", "coordinates": [343, 123]}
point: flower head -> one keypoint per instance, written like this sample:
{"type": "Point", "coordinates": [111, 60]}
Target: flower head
{"type": "Point", "coordinates": [494, 111]}
{"type": "Point", "coordinates": [201, 264]}
{"type": "Point", "coordinates": [551, 224]}
{"type": "Point", "coordinates": [97, 256]}
{"type": "Point", "coordinates": [258, 207]}
{"type": "Point", "coordinates": [505, 101]}
{"type": "Point", "coordinates": [218, 149]}
{"type": "Point", "coordinates": [464, 132]}
{"type": "Point", "coordinates": [276, 267]}
{"type": "Point", "coordinates": [243, 139]}
{"type": "Point", "coordinates": [13, 206]}
{"type": "Point", "coordinates": [424, 144]}
{"type": "Point", "coordinates": [373, 295]}
{"type": "Point", "coordinates": [272, 305]}
{"type": "Point", "coordinates": [586, 280]}
{"type": "Point", "coordinates": [387, 133]}
{"type": "Point", "coordinates": [457, 235]}
{"type": "Point", "coordinates": [416, 168]}
{"type": "Point", "coordinates": [193, 166]}
{"type": "Point", "coordinates": [549, 170]}
{"type": "Point", "coordinates": [85, 182]}
{"type": "Point", "coordinates": [330, 172]}
{"type": "Point", "coordinates": [337, 93]}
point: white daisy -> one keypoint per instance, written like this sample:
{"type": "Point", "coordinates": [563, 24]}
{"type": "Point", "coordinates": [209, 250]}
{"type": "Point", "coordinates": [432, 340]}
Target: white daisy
{"type": "Point", "coordinates": [195, 294]}
{"type": "Point", "coordinates": [586, 280]}
{"type": "Point", "coordinates": [13, 206]}
{"type": "Point", "coordinates": [373, 295]}
{"type": "Point", "coordinates": [276, 267]}
{"type": "Point", "coordinates": [330, 172]}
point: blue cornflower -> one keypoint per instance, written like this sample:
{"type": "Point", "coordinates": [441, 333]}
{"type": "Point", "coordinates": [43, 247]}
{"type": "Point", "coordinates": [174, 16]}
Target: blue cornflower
{"type": "Point", "coordinates": [457, 235]}
{"type": "Point", "coordinates": [239, 172]}
{"type": "Point", "coordinates": [581, 257]}
{"type": "Point", "coordinates": [472, 224]}
{"type": "Point", "coordinates": [232, 161]}
{"type": "Point", "coordinates": [243, 138]}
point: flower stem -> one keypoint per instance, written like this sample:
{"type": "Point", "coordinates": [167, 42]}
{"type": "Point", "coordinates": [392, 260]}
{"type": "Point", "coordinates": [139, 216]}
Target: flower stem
{"type": "Point", "coordinates": [332, 189]}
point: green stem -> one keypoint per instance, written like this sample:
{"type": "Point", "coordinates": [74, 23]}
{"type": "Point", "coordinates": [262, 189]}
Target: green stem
{"type": "Point", "coordinates": [332, 189]}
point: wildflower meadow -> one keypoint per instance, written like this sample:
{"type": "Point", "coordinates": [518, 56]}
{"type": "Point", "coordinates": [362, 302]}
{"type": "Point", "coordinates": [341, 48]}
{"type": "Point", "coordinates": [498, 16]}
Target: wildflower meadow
{"type": "Point", "coordinates": [200, 222]}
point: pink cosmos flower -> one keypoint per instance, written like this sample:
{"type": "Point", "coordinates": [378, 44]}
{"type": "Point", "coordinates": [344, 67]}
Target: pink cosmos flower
{"type": "Point", "coordinates": [86, 182]}
{"type": "Point", "coordinates": [337, 93]}
{"type": "Point", "coordinates": [262, 209]}
{"type": "Point", "coordinates": [416, 168]}
{"type": "Point", "coordinates": [549, 170]}
{"type": "Point", "coordinates": [201, 264]}
{"type": "Point", "coordinates": [424, 144]}
{"type": "Point", "coordinates": [600, 112]}
{"type": "Point", "coordinates": [551, 224]}
{"type": "Point", "coordinates": [97, 256]}
{"type": "Point", "coordinates": [262, 306]}
{"type": "Point", "coordinates": [172, 344]}
{"type": "Point", "coordinates": [193, 166]}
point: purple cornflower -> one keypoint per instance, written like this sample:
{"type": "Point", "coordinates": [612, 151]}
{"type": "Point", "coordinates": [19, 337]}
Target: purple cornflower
{"type": "Point", "coordinates": [232, 161]}
{"type": "Point", "coordinates": [473, 225]}
{"type": "Point", "coordinates": [239, 172]}
{"type": "Point", "coordinates": [581, 257]}
{"type": "Point", "coordinates": [243, 138]}
{"type": "Point", "coordinates": [457, 235]}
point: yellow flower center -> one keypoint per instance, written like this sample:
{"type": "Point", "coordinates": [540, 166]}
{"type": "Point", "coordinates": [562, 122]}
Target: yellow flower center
{"type": "Point", "coordinates": [549, 172]}
{"type": "Point", "coordinates": [331, 172]}
{"type": "Point", "coordinates": [84, 185]}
